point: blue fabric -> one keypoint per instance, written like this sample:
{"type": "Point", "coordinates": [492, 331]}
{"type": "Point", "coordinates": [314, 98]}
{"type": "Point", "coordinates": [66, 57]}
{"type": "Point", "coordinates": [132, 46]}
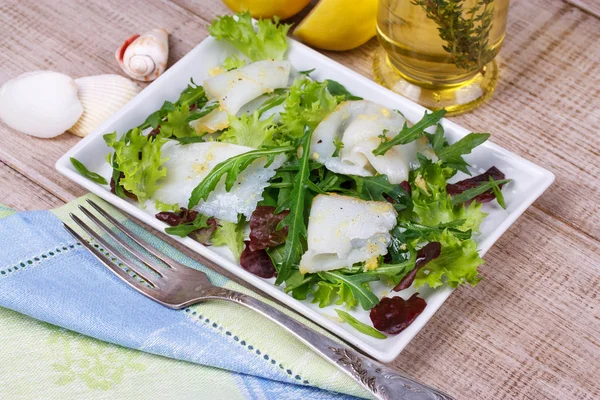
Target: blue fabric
{"type": "Point", "coordinates": [46, 274]}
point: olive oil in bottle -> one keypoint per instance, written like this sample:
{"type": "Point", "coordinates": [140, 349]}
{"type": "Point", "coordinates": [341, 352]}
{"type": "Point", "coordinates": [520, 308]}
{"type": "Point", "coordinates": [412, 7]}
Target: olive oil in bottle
{"type": "Point", "coordinates": [440, 52]}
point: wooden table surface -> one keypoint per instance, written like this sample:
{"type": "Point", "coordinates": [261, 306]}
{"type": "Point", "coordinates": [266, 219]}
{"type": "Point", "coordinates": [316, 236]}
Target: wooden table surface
{"type": "Point", "coordinates": [531, 328]}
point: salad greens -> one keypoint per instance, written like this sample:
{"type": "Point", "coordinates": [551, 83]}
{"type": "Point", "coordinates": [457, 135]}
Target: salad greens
{"type": "Point", "coordinates": [231, 169]}
{"type": "Point", "coordinates": [231, 235]}
{"type": "Point", "coordinates": [249, 130]}
{"type": "Point", "coordinates": [426, 212]}
{"type": "Point", "coordinates": [470, 194]}
{"type": "Point", "coordinates": [451, 155]}
{"type": "Point", "coordinates": [92, 176]}
{"type": "Point", "coordinates": [409, 134]}
{"type": "Point", "coordinates": [182, 230]}
{"type": "Point", "coordinates": [138, 157]}
{"type": "Point", "coordinates": [359, 326]}
{"type": "Point", "coordinates": [307, 103]}
{"type": "Point", "coordinates": [268, 41]}
{"type": "Point", "coordinates": [295, 220]}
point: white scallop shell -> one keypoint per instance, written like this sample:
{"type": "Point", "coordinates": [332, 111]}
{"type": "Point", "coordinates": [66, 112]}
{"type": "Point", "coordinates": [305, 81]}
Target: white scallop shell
{"type": "Point", "coordinates": [41, 103]}
{"type": "Point", "coordinates": [101, 96]}
{"type": "Point", "coordinates": [145, 58]}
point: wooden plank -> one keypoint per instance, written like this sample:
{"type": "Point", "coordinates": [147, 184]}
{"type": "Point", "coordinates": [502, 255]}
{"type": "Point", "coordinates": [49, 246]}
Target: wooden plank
{"type": "Point", "coordinates": [528, 330]}
{"type": "Point", "coordinates": [79, 39]}
{"type": "Point", "coordinates": [547, 105]}
{"type": "Point", "coordinates": [20, 193]}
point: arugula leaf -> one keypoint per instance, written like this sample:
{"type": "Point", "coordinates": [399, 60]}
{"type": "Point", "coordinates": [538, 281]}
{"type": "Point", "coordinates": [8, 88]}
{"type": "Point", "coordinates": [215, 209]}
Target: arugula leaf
{"type": "Point", "coordinates": [424, 233]}
{"type": "Point", "coordinates": [297, 284]}
{"type": "Point", "coordinates": [353, 288]}
{"type": "Point", "coordinates": [456, 264]}
{"type": "Point", "coordinates": [268, 41]}
{"type": "Point", "coordinates": [92, 176]}
{"type": "Point", "coordinates": [307, 103]}
{"type": "Point", "coordinates": [307, 72]}
{"type": "Point", "coordinates": [396, 272]}
{"type": "Point", "coordinates": [207, 109]}
{"type": "Point", "coordinates": [190, 139]}
{"type": "Point", "coordinates": [231, 235]}
{"type": "Point", "coordinates": [451, 155]}
{"type": "Point", "coordinates": [407, 135]}
{"type": "Point", "coordinates": [249, 130]}
{"type": "Point", "coordinates": [379, 188]}
{"type": "Point", "coordinates": [398, 249]}
{"type": "Point", "coordinates": [295, 244]}
{"type": "Point", "coordinates": [337, 89]}
{"type": "Point", "coordinates": [191, 95]}
{"type": "Point", "coordinates": [437, 140]}
{"type": "Point", "coordinates": [183, 230]}
{"type": "Point", "coordinates": [497, 192]}
{"type": "Point", "coordinates": [284, 193]}
{"type": "Point", "coordinates": [138, 157]}
{"type": "Point", "coordinates": [359, 326]}
{"type": "Point", "coordinates": [329, 181]}
{"type": "Point", "coordinates": [274, 101]}
{"type": "Point", "coordinates": [233, 62]}
{"type": "Point", "coordinates": [231, 168]}
{"type": "Point", "coordinates": [157, 116]}
{"type": "Point", "coordinates": [470, 194]}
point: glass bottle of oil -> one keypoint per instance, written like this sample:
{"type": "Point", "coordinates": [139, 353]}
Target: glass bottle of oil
{"type": "Point", "coordinates": [440, 53]}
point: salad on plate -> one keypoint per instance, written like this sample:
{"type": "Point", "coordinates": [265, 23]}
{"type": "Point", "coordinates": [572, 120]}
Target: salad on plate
{"type": "Point", "coordinates": [322, 192]}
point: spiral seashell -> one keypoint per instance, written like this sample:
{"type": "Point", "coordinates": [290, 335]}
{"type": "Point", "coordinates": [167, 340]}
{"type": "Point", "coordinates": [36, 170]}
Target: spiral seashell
{"type": "Point", "coordinates": [101, 96]}
{"type": "Point", "coordinates": [145, 57]}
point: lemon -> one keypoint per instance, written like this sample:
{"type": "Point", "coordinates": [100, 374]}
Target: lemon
{"type": "Point", "coordinates": [338, 24]}
{"type": "Point", "coordinates": [268, 8]}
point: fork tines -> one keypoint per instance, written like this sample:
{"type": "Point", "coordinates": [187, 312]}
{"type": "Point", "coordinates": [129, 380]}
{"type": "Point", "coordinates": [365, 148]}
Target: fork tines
{"type": "Point", "coordinates": [119, 257]}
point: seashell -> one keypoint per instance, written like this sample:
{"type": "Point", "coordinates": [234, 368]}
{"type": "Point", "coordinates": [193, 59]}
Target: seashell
{"type": "Point", "coordinates": [145, 57]}
{"type": "Point", "coordinates": [101, 96]}
{"type": "Point", "coordinates": [41, 103]}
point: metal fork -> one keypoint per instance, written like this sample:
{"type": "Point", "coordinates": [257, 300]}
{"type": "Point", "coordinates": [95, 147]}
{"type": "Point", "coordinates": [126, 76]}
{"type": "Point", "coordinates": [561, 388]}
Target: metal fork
{"type": "Point", "coordinates": [177, 286]}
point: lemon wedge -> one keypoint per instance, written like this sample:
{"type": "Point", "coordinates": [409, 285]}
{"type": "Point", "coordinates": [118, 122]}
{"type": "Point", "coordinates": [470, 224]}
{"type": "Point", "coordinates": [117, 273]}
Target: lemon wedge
{"type": "Point", "coordinates": [268, 8]}
{"type": "Point", "coordinates": [338, 24]}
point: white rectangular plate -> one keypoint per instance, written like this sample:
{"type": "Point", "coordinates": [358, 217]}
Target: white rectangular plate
{"type": "Point", "coordinates": [529, 180]}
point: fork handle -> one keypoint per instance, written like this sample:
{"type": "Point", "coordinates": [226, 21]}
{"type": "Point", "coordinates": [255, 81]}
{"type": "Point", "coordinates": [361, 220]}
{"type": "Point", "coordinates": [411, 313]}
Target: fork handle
{"type": "Point", "coordinates": [381, 381]}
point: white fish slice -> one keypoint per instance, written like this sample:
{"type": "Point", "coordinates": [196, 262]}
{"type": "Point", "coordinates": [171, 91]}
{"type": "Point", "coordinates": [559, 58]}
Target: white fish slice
{"type": "Point", "coordinates": [344, 230]}
{"type": "Point", "coordinates": [189, 164]}
{"type": "Point", "coordinates": [235, 88]}
{"type": "Point", "coordinates": [359, 124]}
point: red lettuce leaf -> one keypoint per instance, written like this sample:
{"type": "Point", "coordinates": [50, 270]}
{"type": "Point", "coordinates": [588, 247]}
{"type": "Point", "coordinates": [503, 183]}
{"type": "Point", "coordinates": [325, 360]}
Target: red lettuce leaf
{"type": "Point", "coordinates": [424, 255]}
{"type": "Point", "coordinates": [185, 216]}
{"type": "Point", "coordinates": [393, 315]}
{"type": "Point", "coordinates": [263, 228]}
{"type": "Point", "coordinates": [257, 262]}
{"type": "Point", "coordinates": [454, 189]}
{"type": "Point", "coordinates": [203, 235]}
